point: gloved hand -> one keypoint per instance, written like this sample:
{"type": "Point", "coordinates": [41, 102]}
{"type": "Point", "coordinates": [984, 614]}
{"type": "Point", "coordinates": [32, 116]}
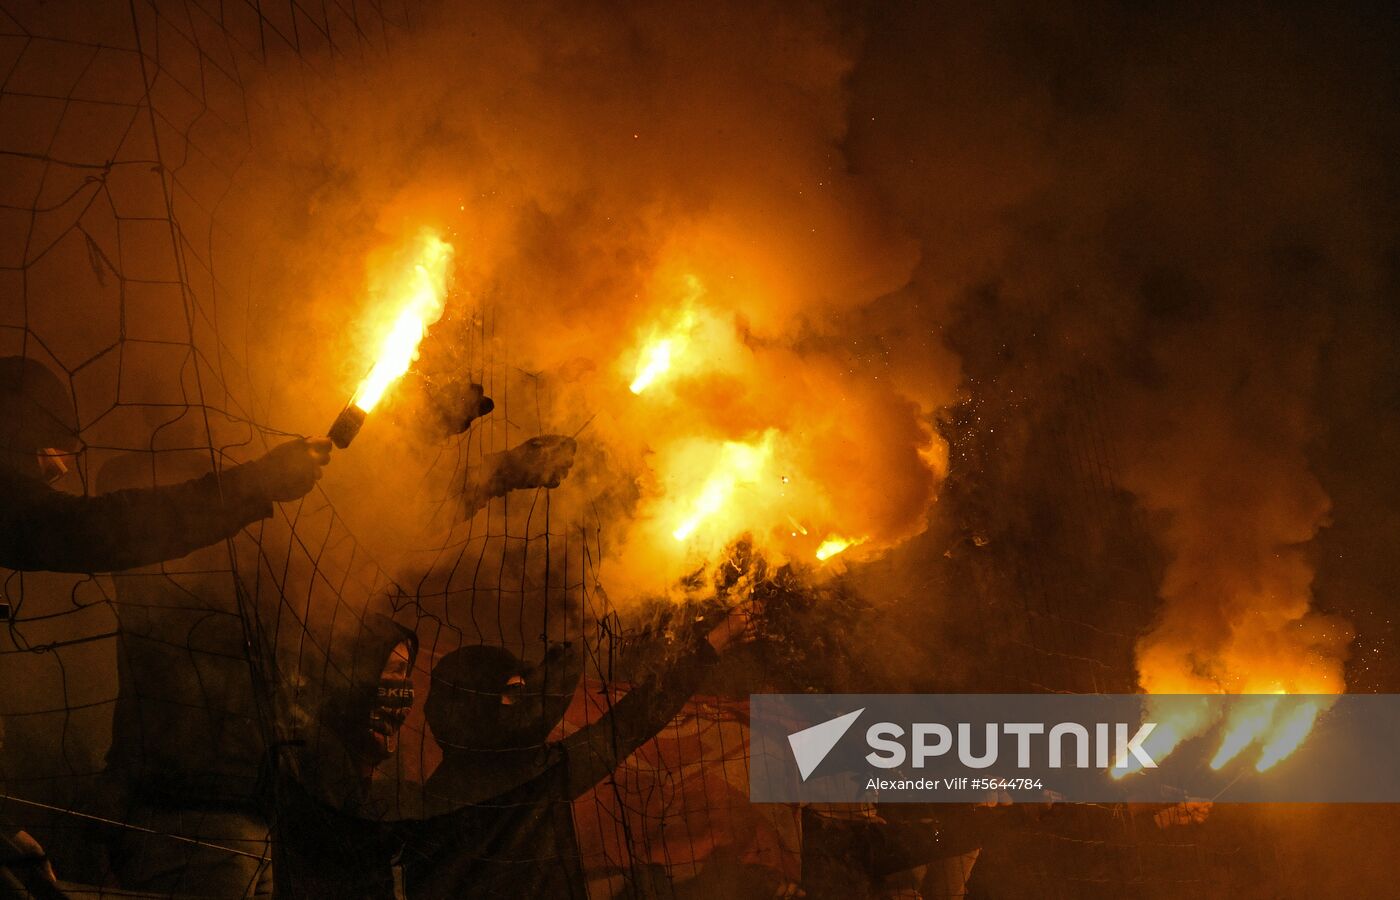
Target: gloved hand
{"type": "Point", "coordinates": [736, 627]}
{"type": "Point", "coordinates": [291, 470]}
{"type": "Point", "coordinates": [453, 404]}
{"type": "Point", "coordinates": [539, 462]}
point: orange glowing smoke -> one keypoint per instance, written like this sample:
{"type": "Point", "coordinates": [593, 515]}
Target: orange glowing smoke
{"type": "Point", "coordinates": [419, 295]}
{"type": "Point", "coordinates": [1239, 620]}
{"type": "Point", "coordinates": [746, 438]}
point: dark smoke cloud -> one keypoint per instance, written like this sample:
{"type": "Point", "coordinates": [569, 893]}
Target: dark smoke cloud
{"type": "Point", "coordinates": [1189, 203]}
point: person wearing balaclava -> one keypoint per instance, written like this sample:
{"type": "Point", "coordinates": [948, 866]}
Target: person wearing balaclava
{"type": "Point", "coordinates": [326, 840]}
{"type": "Point", "coordinates": [42, 528]}
{"type": "Point", "coordinates": [505, 793]}
{"type": "Point", "coordinates": [491, 715]}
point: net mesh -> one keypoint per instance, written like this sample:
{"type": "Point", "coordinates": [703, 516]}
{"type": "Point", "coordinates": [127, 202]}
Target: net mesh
{"type": "Point", "coordinates": [141, 708]}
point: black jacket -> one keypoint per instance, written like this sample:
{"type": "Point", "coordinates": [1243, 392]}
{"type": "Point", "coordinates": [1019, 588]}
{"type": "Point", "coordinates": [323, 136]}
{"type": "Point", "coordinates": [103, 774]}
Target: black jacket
{"type": "Point", "coordinates": [48, 530]}
{"type": "Point", "coordinates": [326, 840]}
{"type": "Point", "coordinates": [520, 842]}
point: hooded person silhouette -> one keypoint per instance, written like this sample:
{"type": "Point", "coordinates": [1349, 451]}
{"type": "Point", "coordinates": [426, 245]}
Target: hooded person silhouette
{"type": "Point", "coordinates": [504, 791]}
{"type": "Point", "coordinates": [491, 714]}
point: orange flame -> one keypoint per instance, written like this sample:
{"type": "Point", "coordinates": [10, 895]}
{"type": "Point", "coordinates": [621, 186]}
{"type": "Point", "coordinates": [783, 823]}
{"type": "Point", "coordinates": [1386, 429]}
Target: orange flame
{"type": "Point", "coordinates": [1283, 660]}
{"type": "Point", "coordinates": [739, 464]}
{"type": "Point", "coordinates": [711, 490]}
{"type": "Point", "coordinates": [1289, 734]}
{"type": "Point", "coordinates": [667, 345]}
{"type": "Point", "coordinates": [835, 544]}
{"type": "Point", "coordinates": [1247, 723]}
{"type": "Point", "coordinates": [422, 296]}
{"type": "Point", "coordinates": [1178, 717]}
{"type": "Point", "coordinates": [742, 436]}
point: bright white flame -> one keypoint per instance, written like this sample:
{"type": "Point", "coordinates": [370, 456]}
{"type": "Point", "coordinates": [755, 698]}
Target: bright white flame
{"type": "Point", "coordinates": [666, 345]}
{"type": "Point", "coordinates": [738, 464]}
{"type": "Point", "coordinates": [424, 292]}
{"type": "Point", "coordinates": [654, 363]}
{"type": "Point", "coordinates": [1178, 718]}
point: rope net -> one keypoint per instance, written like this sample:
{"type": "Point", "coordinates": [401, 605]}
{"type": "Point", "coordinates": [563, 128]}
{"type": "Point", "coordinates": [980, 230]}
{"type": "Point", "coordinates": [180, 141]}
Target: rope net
{"type": "Point", "coordinates": [158, 721]}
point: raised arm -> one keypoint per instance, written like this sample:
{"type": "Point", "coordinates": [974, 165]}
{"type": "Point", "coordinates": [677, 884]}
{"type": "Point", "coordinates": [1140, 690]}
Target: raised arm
{"type": "Point", "coordinates": [44, 529]}
{"type": "Point", "coordinates": [539, 462]}
{"type": "Point", "coordinates": [591, 753]}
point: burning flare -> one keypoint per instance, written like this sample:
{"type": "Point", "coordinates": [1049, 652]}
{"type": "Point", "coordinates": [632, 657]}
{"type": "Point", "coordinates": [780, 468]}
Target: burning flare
{"type": "Point", "coordinates": [423, 294]}
{"type": "Point", "coordinates": [836, 544]}
{"type": "Point", "coordinates": [747, 437]}
{"type": "Point", "coordinates": [1178, 717]}
{"type": "Point", "coordinates": [1272, 725]}
{"type": "Point", "coordinates": [1289, 734]}
{"type": "Point", "coordinates": [655, 361]}
{"type": "Point", "coordinates": [666, 345]}
{"type": "Point", "coordinates": [739, 464]}
{"type": "Point", "coordinates": [1247, 723]}
{"type": "Point", "coordinates": [1278, 723]}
